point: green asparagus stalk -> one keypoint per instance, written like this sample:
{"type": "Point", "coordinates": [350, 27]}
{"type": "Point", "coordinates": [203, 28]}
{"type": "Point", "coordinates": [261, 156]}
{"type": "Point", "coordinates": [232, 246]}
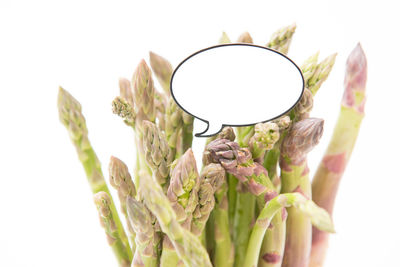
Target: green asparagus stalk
{"type": "Point", "coordinates": [183, 196]}
{"type": "Point", "coordinates": [321, 73]}
{"type": "Point", "coordinates": [174, 127]}
{"type": "Point", "coordinates": [187, 245]}
{"type": "Point", "coordinates": [160, 102]}
{"type": "Point", "coordinates": [224, 39]}
{"type": "Point", "coordinates": [253, 180]}
{"type": "Point", "coordinates": [157, 153]}
{"type": "Point", "coordinates": [143, 93]}
{"type": "Point", "coordinates": [187, 131]}
{"type": "Point", "coordinates": [264, 138]}
{"type": "Point", "coordinates": [318, 216]}
{"type": "Point", "coordinates": [301, 138]}
{"type": "Point", "coordinates": [121, 180]}
{"type": "Point", "coordinates": [308, 68]}
{"type": "Point", "coordinates": [212, 177]}
{"type": "Point", "coordinates": [103, 203]}
{"type": "Point", "coordinates": [70, 113]}
{"type": "Point", "coordinates": [124, 109]}
{"type": "Point", "coordinates": [228, 133]}
{"type": "Point", "coordinates": [163, 71]}
{"type": "Point", "coordinates": [146, 240]}
{"type": "Point", "coordinates": [238, 162]}
{"type": "Point", "coordinates": [271, 157]}
{"type": "Point", "coordinates": [245, 38]}
{"type": "Point", "coordinates": [281, 39]}
{"type": "Point", "coordinates": [330, 171]}
{"type": "Point", "coordinates": [179, 124]}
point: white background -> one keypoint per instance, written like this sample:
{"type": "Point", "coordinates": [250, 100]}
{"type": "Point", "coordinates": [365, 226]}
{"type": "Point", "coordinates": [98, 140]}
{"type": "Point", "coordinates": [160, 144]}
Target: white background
{"type": "Point", "coordinates": [47, 217]}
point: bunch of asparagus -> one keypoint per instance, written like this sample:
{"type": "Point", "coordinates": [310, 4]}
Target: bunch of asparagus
{"type": "Point", "coordinates": [251, 203]}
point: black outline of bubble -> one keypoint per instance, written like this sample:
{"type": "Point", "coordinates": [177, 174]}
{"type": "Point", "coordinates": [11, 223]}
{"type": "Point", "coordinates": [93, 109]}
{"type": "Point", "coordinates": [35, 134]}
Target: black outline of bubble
{"type": "Point", "coordinates": [241, 125]}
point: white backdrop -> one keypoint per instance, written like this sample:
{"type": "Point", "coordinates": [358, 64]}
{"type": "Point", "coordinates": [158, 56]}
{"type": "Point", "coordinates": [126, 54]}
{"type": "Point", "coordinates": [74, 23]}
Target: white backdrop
{"type": "Point", "coordinates": [47, 216]}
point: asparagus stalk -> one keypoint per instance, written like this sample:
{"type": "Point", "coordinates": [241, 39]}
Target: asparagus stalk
{"type": "Point", "coordinates": [143, 93]}
{"type": "Point", "coordinates": [141, 221]}
{"type": "Point", "coordinates": [179, 124]}
{"type": "Point", "coordinates": [245, 38]}
{"type": "Point", "coordinates": [174, 127]}
{"type": "Point", "coordinates": [163, 71]}
{"type": "Point", "coordinates": [160, 102]}
{"type": "Point", "coordinates": [264, 138]}
{"type": "Point", "coordinates": [321, 73]}
{"type": "Point", "coordinates": [308, 68]}
{"type": "Point", "coordinates": [224, 250]}
{"type": "Point", "coordinates": [281, 39]}
{"type": "Point", "coordinates": [238, 162]}
{"type": "Point", "coordinates": [187, 245]}
{"type": "Point", "coordinates": [302, 137]}
{"type": "Point", "coordinates": [228, 133]}
{"type": "Point", "coordinates": [271, 253]}
{"type": "Point", "coordinates": [70, 113]}
{"type": "Point", "coordinates": [124, 109]}
{"type": "Point", "coordinates": [187, 131]}
{"type": "Point", "coordinates": [330, 171]}
{"type": "Point", "coordinates": [212, 177]}
{"type": "Point", "coordinates": [157, 153]}
{"type": "Point", "coordinates": [318, 216]}
{"type": "Point", "coordinates": [183, 196]}
{"type": "Point", "coordinates": [121, 180]}
{"type": "Point", "coordinates": [103, 203]}
{"type": "Point", "coordinates": [271, 157]}
{"type": "Point", "coordinates": [253, 177]}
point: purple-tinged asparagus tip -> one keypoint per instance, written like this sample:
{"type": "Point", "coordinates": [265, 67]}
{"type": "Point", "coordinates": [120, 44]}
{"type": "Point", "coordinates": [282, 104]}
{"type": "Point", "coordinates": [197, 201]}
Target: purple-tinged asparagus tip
{"type": "Point", "coordinates": [355, 80]}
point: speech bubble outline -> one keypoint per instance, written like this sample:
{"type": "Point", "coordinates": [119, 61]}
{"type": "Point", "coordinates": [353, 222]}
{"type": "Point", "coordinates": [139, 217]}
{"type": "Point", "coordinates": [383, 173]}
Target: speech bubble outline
{"type": "Point", "coordinates": [220, 126]}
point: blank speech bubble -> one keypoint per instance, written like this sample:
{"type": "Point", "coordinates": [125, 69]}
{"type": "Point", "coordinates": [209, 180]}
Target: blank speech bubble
{"type": "Point", "coordinates": [236, 85]}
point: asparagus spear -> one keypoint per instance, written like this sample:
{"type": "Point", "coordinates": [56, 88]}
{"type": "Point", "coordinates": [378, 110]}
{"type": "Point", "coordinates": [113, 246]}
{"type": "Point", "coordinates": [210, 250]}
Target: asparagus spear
{"type": "Point", "coordinates": [124, 109]}
{"type": "Point", "coordinates": [179, 124]}
{"type": "Point", "coordinates": [271, 157]}
{"type": "Point", "coordinates": [160, 102]}
{"type": "Point", "coordinates": [183, 196]}
{"type": "Point", "coordinates": [321, 73]}
{"type": "Point", "coordinates": [308, 68]}
{"type": "Point", "coordinates": [281, 39]}
{"type": "Point", "coordinates": [157, 153]}
{"type": "Point", "coordinates": [174, 127]}
{"type": "Point", "coordinates": [70, 113]}
{"type": "Point", "coordinates": [121, 180]}
{"type": "Point", "coordinates": [187, 245]}
{"type": "Point", "coordinates": [143, 93]}
{"type": "Point", "coordinates": [264, 138]}
{"type": "Point", "coordinates": [103, 203]}
{"type": "Point", "coordinates": [212, 177]}
{"type": "Point", "coordinates": [245, 38]}
{"type": "Point", "coordinates": [302, 137]}
{"type": "Point", "coordinates": [163, 71]}
{"type": "Point", "coordinates": [141, 221]}
{"type": "Point", "coordinates": [330, 171]}
{"type": "Point", "coordinates": [238, 162]}
{"type": "Point", "coordinates": [318, 216]}
{"type": "Point", "coordinates": [253, 177]}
